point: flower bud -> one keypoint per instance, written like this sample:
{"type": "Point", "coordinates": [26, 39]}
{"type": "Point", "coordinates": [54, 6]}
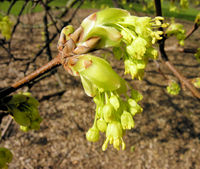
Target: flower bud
{"type": "Point", "coordinates": [101, 125]}
{"type": "Point", "coordinates": [92, 134]}
{"type": "Point", "coordinates": [134, 107]}
{"type": "Point", "coordinates": [151, 53]}
{"type": "Point", "coordinates": [24, 128]}
{"type": "Point", "coordinates": [114, 101]}
{"type": "Point", "coordinates": [98, 72]}
{"type": "Point", "coordinates": [94, 25]}
{"type": "Point", "coordinates": [108, 113]}
{"type": "Point", "coordinates": [127, 120]}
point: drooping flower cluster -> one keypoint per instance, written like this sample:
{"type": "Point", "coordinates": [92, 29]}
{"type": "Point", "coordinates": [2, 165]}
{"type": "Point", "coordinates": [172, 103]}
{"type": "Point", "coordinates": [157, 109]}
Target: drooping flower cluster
{"type": "Point", "coordinates": [24, 110]}
{"type": "Point", "coordinates": [131, 38]}
{"type": "Point", "coordinates": [114, 114]}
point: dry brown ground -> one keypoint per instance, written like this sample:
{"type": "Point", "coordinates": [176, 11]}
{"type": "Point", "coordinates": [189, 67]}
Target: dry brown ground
{"type": "Point", "coordinates": [166, 135]}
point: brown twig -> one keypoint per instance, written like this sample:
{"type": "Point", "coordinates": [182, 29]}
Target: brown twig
{"type": "Point", "coordinates": [181, 49]}
{"type": "Point", "coordinates": [60, 59]}
{"type": "Point", "coordinates": [49, 66]}
{"type": "Point", "coordinates": [55, 34]}
{"type": "Point", "coordinates": [192, 30]}
{"type": "Point", "coordinates": [53, 63]}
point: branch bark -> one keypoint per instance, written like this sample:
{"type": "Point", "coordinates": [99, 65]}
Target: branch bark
{"type": "Point", "coordinates": [192, 30]}
{"type": "Point", "coordinates": [49, 66]}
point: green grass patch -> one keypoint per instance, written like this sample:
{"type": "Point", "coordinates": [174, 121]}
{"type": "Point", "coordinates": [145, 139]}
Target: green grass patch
{"type": "Point", "coordinates": [17, 7]}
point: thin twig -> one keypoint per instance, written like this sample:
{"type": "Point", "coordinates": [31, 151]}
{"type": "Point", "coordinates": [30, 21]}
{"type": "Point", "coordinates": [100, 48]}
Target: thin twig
{"type": "Point", "coordinates": [46, 32]}
{"type": "Point", "coordinates": [46, 7]}
{"type": "Point", "coordinates": [181, 49]}
{"type": "Point", "coordinates": [192, 30]}
{"type": "Point", "coordinates": [53, 36]}
{"type": "Point", "coordinates": [15, 26]}
{"type": "Point", "coordinates": [49, 66]}
{"type": "Point", "coordinates": [10, 7]}
{"type": "Point", "coordinates": [74, 13]}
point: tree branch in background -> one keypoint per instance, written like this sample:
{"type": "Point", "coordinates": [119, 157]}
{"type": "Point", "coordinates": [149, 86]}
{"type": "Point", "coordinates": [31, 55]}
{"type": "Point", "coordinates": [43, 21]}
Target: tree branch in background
{"type": "Point", "coordinates": [16, 24]}
{"type": "Point", "coordinates": [11, 5]}
{"type": "Point", "coordinates": [47, 12]}
{"type": "Point", "coordinates": [55, 34]}
{"type": "Point", "coordinates": [46, 31]}
{"type": "Point", "coordinates": [181, 49]}
{"type": "Point", "coordinates": [192, 30]}
{"type": "Point", "coordinates": [164, 57]}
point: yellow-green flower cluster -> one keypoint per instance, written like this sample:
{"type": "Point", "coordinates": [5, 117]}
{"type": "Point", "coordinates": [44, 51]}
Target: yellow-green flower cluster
{"type": "Point", "coordinates": [139, 36]}
{"type": "Point", "coordinates": [24, 110]}
{"type": "Point", "coordinates": [132, 35]}
{"type": "Point", "coordinates": [173, 88]}
{"type": "Point", "coordinates": [114, 114]}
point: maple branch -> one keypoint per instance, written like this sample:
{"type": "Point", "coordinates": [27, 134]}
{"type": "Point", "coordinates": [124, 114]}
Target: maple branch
{"type": "Point", "coordinates": [192, 30]}
{"type": "Point", "coordinates": [164, 57]}
{"type": "Point", "coordinates": [37, 73]}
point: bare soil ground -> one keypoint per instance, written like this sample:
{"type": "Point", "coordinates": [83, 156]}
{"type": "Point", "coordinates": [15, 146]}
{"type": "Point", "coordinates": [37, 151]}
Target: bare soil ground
{"type": "Point", "coordinates": [166, 135]}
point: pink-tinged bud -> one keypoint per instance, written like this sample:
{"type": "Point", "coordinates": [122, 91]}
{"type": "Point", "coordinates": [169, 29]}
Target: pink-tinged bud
{"type": "Point", "coordinates": [97, 25]}
{"type": "Point", "coordinates": [98, 72]}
